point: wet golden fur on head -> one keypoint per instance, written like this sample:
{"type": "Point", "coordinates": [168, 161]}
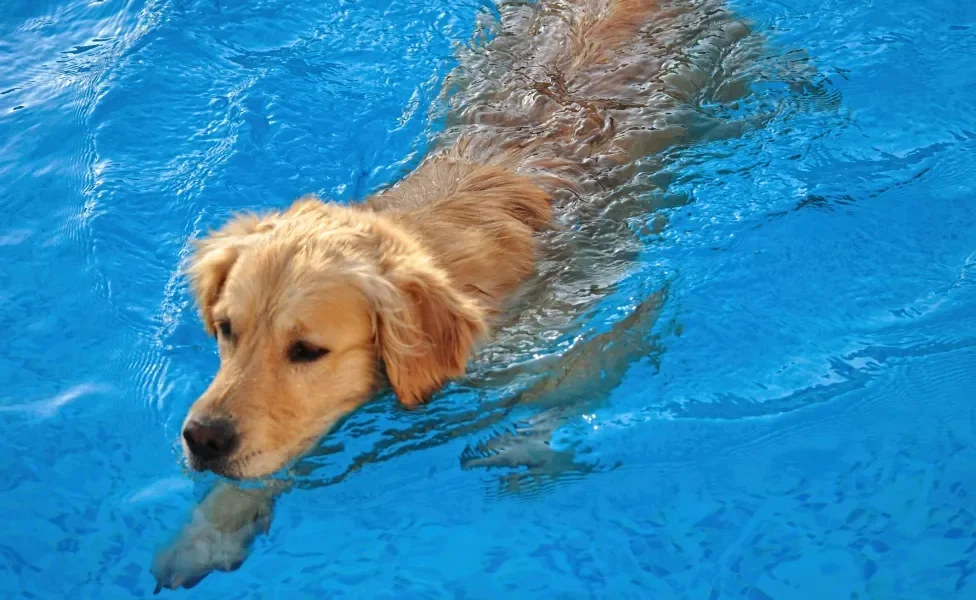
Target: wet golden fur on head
{"type": "Point", "coordinates": [344, 280]}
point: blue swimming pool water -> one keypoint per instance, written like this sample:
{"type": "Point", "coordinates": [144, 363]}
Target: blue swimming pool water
{"type": "Point", "coordinates": [802, 425]}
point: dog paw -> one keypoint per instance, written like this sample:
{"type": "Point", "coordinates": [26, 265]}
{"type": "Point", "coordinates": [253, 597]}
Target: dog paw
{"type": "Point", "coordinates": [217, 539]}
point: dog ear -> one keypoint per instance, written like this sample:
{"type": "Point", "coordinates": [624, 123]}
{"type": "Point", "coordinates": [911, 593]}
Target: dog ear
{"type": "Point", "coordinates": [213, 259]}
{"type": "Point", "coordinates": [429, 336]}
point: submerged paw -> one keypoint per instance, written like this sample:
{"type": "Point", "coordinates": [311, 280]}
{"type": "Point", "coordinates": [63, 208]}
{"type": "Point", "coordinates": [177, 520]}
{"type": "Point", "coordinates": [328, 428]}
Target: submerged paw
{"type": "Point", "coordinates": [201, 549]}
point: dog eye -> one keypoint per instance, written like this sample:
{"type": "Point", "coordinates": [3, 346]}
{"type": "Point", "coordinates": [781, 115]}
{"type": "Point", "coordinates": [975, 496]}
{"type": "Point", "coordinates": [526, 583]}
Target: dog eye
{"type": "Point", "coordinates": [303, 352]}
{"type": "Point", "coordinates": [225, 329]}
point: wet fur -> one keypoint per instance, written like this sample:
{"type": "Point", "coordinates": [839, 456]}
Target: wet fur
{"type": "Point", "coordinates": [407, 282]}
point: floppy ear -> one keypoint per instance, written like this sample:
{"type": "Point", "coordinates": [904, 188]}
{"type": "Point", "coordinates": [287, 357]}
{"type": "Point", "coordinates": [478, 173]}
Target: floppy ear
{"type": "Point", "coordinates": [213, 259]}
{"type": "Point", "coordinates": [429, 339]}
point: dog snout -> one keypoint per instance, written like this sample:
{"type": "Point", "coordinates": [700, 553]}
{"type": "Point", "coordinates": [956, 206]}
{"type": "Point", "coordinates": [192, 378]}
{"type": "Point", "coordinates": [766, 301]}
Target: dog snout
{"type": "Point", "coordinates": [211, 439]}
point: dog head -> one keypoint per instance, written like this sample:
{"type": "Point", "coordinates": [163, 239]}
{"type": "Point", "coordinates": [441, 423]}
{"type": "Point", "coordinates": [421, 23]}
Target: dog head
{"type": "Point", "coordinates": [305, 306]}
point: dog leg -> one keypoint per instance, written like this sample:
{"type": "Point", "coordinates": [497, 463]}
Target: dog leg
{"type": "Point", "coordinates": [218, 537]}
{"type": "Point", "coordinates": [577, 382]}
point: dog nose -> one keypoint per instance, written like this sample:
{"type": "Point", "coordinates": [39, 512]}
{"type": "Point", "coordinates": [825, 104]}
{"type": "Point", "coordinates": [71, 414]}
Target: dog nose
{"type": "Point", "coordinates": [211, 439]}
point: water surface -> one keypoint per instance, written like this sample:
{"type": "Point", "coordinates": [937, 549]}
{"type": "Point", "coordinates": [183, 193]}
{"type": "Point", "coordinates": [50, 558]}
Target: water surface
{"type": "Point", "coordinates": [800, 425]}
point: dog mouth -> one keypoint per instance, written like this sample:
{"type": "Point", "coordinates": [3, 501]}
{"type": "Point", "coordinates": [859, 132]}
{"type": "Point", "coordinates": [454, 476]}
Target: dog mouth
{"type": "Point", "coordinates": [249, 465]}
{"type": "Point", "coordinates": [222, 467]}
{"type": "Point", "coordinates": [235, 468]}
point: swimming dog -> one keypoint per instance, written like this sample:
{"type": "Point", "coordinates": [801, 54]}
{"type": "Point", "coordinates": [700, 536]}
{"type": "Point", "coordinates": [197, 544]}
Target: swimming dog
{"type": "Point", "coordinates": [318, 306]}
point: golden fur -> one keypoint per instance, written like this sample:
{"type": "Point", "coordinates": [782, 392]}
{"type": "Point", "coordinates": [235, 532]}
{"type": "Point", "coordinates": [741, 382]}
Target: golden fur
{"type": "Point", "coordinates": [409, 286]}
{"type": "Point", "coordinates": [408, 282]}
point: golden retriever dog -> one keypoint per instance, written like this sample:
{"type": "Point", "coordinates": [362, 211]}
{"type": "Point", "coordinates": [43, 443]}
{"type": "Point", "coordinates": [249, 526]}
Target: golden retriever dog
{"type": "Point", "coordinates": [311, 306]}
{"type": "Point", "coordinates": [317, 307]}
